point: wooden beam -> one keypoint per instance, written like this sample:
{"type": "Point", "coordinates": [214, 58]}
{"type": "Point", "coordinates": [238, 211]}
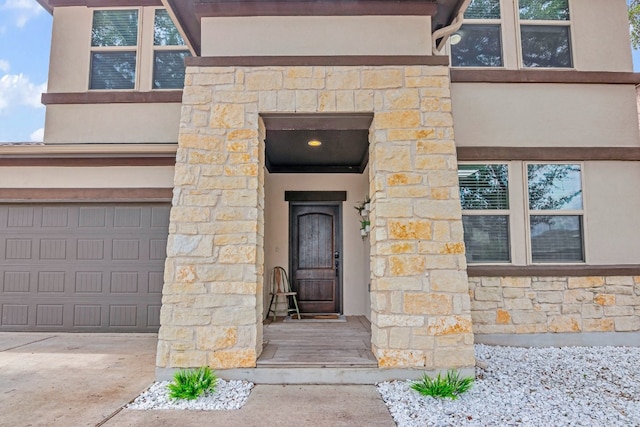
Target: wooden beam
{"type": "Point", "coordinates": [459, 75]}
{"type": "Point", "coordinates": [338, 61]}
{"type": "Point", "coordinates": [43, 195]}
{"type": "Point", "coordinates": [227, 8]}
{"type": "Point", "coordinates": [549, 153]}
{"type": "Point", "coordinates": [113, 97]}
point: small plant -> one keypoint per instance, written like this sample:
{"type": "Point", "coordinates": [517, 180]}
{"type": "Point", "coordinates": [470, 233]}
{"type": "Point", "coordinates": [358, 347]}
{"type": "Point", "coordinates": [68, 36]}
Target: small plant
{"type": "Point", "coordinates": [450, 386]}
{"type": "Point", "coordinates": [189, 384]}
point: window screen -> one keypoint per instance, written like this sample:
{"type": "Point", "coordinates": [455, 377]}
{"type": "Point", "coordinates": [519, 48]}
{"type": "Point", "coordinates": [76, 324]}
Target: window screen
{"type": "Point", "coordinates": [555, 201]}
{"type": "Point", "coordinates": [114, 40]}
{"type": "Point", "coordinates": [168, 61]}
{"type": "Point", "coordinates": [484, 196]}
{"type": "Point", "coordinates": [113, 70]}
{"type": "Point", "coordinates": [478, 43]}
{"type": "Point", "coordinates": [545, 38]}
{"type": "Point", "coordinates": [114, 28]}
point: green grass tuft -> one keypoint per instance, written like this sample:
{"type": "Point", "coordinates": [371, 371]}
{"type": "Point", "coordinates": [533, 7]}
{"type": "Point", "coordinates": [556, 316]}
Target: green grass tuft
{"type": "Point", "coordinates": [450, 386]}
{"type": "Point", "coordinates": [189, 384]}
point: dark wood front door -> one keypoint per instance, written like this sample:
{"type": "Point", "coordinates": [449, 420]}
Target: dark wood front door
{"type": "Point", "coordinates": [316, 258]}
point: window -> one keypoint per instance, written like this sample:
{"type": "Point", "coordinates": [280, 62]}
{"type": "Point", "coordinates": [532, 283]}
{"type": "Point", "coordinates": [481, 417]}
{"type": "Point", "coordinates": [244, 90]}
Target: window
{"type": "Point", "coordinates": [478, 43]}
{"type": "Point", "coordinates": [484, 195]}
{"type": "Point", "coordinates": [169, 53]}
{"type": "Point", "coordinates": [545, 33]}
{"type": "Point", "coordinates": [554, 193]}
{"type": "Point", "coordinates": [114, 40]}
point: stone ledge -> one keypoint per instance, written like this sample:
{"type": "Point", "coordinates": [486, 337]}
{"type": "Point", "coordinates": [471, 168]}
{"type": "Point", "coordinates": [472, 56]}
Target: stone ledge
{"type": "Point", "coordinates": [590, 339]}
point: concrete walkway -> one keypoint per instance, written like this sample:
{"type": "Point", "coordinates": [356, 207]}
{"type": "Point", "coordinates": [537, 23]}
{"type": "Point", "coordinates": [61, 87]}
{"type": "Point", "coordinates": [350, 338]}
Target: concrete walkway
{"type": "Point", "coordinates": [85, 380]}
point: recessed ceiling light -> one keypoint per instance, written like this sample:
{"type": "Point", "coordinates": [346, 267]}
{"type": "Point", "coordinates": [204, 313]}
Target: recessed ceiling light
{"type": "Point", "coordinates": [314, 143]}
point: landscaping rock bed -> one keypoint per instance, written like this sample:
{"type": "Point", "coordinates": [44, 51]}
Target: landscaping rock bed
{"type": "Point", "coordinates": [228, 395]}
{"type": "Point", "coordinates": [570, 386]}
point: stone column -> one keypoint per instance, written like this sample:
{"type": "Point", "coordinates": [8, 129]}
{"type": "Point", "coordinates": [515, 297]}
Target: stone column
{"type": "Point", "coordinates": [420, 301]}
{"type": "Point", "coordinates": [212, 296]}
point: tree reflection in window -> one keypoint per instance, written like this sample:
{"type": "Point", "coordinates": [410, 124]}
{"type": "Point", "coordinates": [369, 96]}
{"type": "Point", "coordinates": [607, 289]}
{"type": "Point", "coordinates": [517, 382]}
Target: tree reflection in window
{"type": "Point", "coordinates": [114, 28]}
{"type": "Point", "coordinates": [554, 187]}
{"type": "Point", "coordinates": [547, 10]}
{"type": "Point", "coordinates": [484, 186]}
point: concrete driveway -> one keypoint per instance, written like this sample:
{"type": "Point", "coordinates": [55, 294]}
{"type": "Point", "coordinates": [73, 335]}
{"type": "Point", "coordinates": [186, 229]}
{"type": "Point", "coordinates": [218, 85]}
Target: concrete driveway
{"type": "Point", "coordinates": [71, 379]}
{"type": "Point", "coordinates": [86, 379]}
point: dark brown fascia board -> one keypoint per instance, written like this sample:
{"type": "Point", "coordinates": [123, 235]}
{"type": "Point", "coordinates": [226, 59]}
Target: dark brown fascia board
{"type": "Point", "coordinates": [184, 12]}
{"type": "Point", "coordinates": [112, 97]}
{"type": "Point", "coordinates": [543, 76]}
{"type": "Point", "coordinates": [80, 195]}
{"type": "Point", "coordinates": [548, 153]}
{"type": "Point", "coordinates": [552, 270]}
{"type": "Point", "coordinates": [50, 4]}
{"type": "Point", "coordinates": [301, 61]}
{"type": "Point", "coordinates": [45, 5]}
{"type": "Point", "coordinates": [228, 8]}
{"type": "Point", "coordinates": [317, 121]}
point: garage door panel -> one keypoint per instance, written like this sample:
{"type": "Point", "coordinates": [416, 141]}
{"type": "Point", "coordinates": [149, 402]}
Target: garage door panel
{"type": "Point", "coordinates": [82, 268]}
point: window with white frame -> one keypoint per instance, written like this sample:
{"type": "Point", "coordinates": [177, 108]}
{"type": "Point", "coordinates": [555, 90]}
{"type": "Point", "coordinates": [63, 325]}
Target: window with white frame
{"type": "Point", "coordinates": [169, 53]}
{"type": "Point", "coordinates": [484, 195]}
{"type": "Point", "coordinates": [556, 212]}
{"type": "Point", "coordinates": [545, 33]}
{"type": "Point", "coordinates": [114, 49]}
{"type": "Point", "coordinates": [478, 43]}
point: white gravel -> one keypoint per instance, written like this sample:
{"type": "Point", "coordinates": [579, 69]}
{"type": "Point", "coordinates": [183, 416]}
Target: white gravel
{"type": "Point", "coordinates": [571, 386]}
{"type": "Point", "coordinates": [228, 395]}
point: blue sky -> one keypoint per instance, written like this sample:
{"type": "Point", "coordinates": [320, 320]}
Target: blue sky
{"type": "Point", "coordinates": [25, 39]}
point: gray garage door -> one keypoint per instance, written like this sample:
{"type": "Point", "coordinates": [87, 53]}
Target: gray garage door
{"type": "Point", "coordinates": [82, 267]}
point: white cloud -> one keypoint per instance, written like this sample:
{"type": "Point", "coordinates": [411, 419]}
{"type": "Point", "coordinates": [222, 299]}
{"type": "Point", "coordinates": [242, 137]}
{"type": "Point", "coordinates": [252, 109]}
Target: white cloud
{"type": "Point", "coordinates": [16, 89]}
{"type": "Point", "coordinates": [4, 66]}
{"type": "Point", "coordinates": [23, 10]}
{"type": "Point", "coordinates": [37, 135]}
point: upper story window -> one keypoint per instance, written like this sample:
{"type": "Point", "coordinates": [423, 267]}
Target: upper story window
{"type": "Point", "coordinates": [169, 53]}
{"type": "Point", "coordinates": [478, 43]}
{"type": "Point", "coordinates": [114, 41]}
{"type": "Point", "coordinates": [545, 33]}
{"type": "Point", "coordinates": [117, 57]}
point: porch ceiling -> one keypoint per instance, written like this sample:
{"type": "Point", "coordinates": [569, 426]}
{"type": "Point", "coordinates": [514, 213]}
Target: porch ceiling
{"type": "Point", "coordinates": [344, 137]}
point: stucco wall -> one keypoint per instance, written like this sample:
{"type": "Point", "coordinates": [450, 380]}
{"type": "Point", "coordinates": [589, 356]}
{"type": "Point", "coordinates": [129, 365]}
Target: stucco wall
{"type": "Point", "coordinates": [554, 115]}
{"type": "Point", "coordinates": [69, 71]}
{"type": "Point", "coordinates": [87, 177]}
{"type": "Point", "coordinates": [601, 35]}
{"type": "Point", "coordinates": [613, 202]}
{"type": "Point", "coordinates": [316, 35]}
{"type": "Point", "coordinates": [112, 123]}
{"type": "Point", "coordinates": [276, 250]}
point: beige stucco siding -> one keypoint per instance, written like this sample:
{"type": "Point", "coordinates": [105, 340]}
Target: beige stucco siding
{"type": "Point", "coordinates": [555, 115]}
{"type": "Point", "coordinates": [112, 123]}
{"type": "Point", "coordinates": [69, 66]}
{"type": "Point", "coordinates": [276, 251]}
{"type": "Point", "coordinates": [316, 35]}
{"type": "Point", "coordinates": [612, 222]}
{"type": "Point", "coordinates": [70, 50]}
{"type": "Point", "coordinates": [600, 30]}
{"type": "Point", "coordinates": [87, 177]}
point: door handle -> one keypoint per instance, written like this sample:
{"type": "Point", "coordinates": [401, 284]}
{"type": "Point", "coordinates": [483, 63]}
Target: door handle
{"type": "Point", "coordinates": [337, 266]}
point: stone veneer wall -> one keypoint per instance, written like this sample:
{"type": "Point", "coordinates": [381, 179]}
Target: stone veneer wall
{"type": "Point", "coordinates": [522, 305]}
{"type": "Point", "coordinates": [212, 307]}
